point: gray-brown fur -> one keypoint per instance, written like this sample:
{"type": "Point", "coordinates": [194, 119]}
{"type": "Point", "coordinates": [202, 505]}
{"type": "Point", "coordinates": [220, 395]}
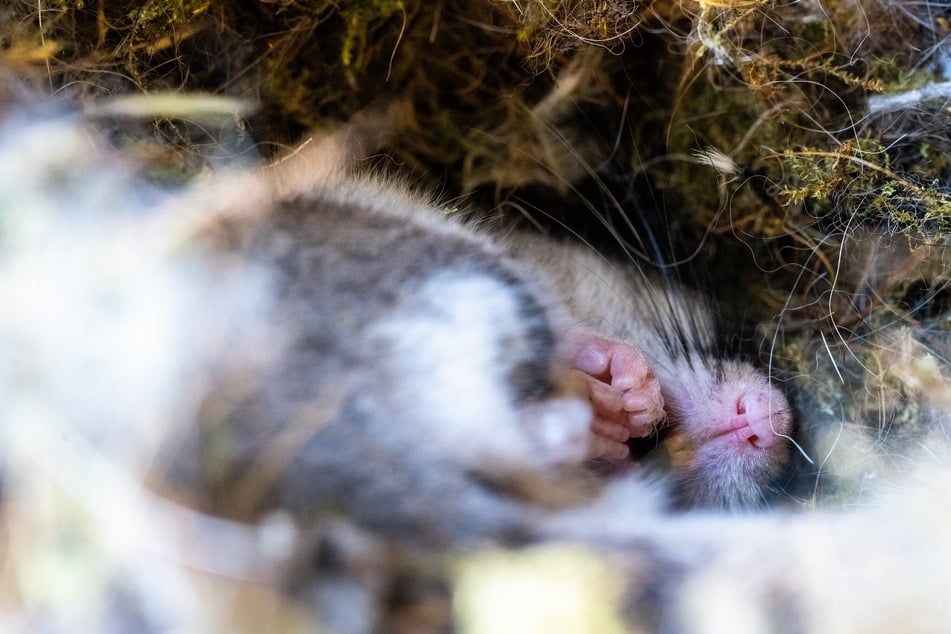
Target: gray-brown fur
{"type": "Point", "coordinates": [366, 404]}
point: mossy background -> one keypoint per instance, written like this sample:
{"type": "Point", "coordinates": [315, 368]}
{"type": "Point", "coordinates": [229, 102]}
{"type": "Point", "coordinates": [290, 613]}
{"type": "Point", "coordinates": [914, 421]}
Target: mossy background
{"type": "Point", "coordinates": [791, 157]}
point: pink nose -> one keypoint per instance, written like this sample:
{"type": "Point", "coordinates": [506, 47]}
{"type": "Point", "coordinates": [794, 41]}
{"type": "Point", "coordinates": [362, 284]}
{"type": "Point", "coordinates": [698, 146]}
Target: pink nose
{"type": "Point", "coordinates": [757, 422]}
{"type": "Point", "coordinates": [747, 435]}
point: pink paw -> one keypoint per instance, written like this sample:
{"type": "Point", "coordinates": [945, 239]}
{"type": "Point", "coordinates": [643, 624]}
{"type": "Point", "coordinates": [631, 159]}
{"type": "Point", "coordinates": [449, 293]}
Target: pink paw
{"type": "Point", "coordinates": [624, 394]}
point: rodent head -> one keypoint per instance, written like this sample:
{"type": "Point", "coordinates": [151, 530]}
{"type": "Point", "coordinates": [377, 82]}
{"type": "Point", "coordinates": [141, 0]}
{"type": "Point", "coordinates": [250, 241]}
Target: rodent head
{"type": "Point", "coordinates": [729, 431]}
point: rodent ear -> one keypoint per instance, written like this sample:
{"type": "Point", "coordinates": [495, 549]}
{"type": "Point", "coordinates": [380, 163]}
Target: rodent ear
{"type": "Point", "coordinates": [323, 158]}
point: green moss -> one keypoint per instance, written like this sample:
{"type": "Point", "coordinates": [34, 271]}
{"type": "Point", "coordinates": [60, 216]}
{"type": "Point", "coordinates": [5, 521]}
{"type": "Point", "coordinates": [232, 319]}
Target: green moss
{"type": "Point", "coordinates": [896, 77]}
{"type": "Point", "coordinates": [857, 180]}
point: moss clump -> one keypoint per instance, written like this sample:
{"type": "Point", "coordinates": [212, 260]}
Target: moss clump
{"type": "Point", "coordinates": [858, 181]}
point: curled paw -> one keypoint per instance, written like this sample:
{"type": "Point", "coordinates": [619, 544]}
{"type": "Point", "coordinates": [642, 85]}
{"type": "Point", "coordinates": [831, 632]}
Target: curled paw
{"type": "Point", "coordinates": [624, 394]}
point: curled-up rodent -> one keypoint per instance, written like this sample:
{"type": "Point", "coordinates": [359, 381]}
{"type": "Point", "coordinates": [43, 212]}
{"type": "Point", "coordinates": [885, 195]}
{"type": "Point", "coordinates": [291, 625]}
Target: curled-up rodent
{"type": "Point", "coordinates": [441, 383]}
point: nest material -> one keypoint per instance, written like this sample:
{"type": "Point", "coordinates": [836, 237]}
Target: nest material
{"type": "Point", "coordinates": [796, 152]}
